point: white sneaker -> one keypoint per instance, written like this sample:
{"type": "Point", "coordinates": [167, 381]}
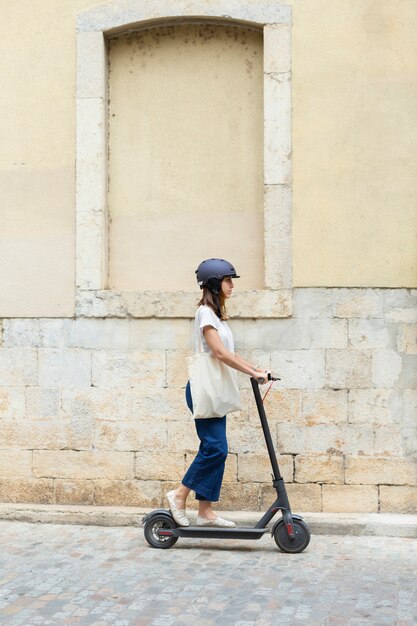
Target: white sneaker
{"type": "Point", "coordinates": [219, 522]}
{"type": "Point", "coordinates": [179, 515]}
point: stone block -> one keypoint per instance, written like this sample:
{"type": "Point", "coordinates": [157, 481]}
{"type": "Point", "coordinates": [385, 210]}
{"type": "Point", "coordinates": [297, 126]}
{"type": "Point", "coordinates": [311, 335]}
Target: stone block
{"type": "Point", "coordinates": [165, 404]}
{"type": "Point", "coordinates": [42, 402]}
{"type": "Point", "coordinates": [408, 376]}
{"type": "Point", "coordinates": [301, 497]}
{"type": "Point", "coordinates": [83, 465]}
{"type": "Point", "coordinates": [319, 468]}
{"type": "Point", "coordinates": [25, 491]}
{"type": "Point", "coordinates": [329, 333]}
{"type": "Point", "coordinates": [255, 357]}
{"type": "Point", "coordinates": [128, 369]}
{"type": "Point", "coordinates": [409, 407]}
{"type": "Point", "coordinates": [42, 434]}
{"type": "Point", "coordinates": [277, 129]}
{"type": "Point", "coordinates": [158, 465]}
{"type": "Point", "coordinates": [91, 187]}
{"type": "Point", "coordinates": [182, 436]}
{"type": "Point", "coordinates": [348, 369]}
{"type": "Point", "coordinates": [64, 368]}
{"type": "Point", "coordinates": [277, 48]}
{"type": "Point", "coordinates": [99, 303]}
{"type": "Point", "coordinates": [380, 471]}
{"type": "Point", "coordinates": [261, 303]}
{"type": "Point", "coordinates": [325, 438]}
{"type": "Point", "coordinates": [280, 334]}
{"type": "Point", "coordinates": [350, 498]}
{"type": "Point", "coordinates": [374, 406]}
{"type": "Point", "coordinates": [388, 440]}
{"type": "Point", "coordinates": [91, 65]}
{"type": "Point", "coordinates": [409, 438]}
{"type": "Point", "coordinates": [358, 302]}
{"type": "Point", "coordinates": [102, 334]}
{"type": "Point", "coordinates": [18, 367]}
{"type": "Point", "coordinates": [127, 493]}
{"type": "Point", "coordinates": [238, 497]}
{"type": "Point", "coordinates": [74, 491]}
{"type": "Point", "coordinates": [246, 438]}
{"type": "Point", "coordinates": [325, 406]}
{"type": "Point", "coordinates": [21, 333]}
{"type": "Point", "coordinates": [97, 403]}
{"type": "Point", "coordinates": [236, 326]}
{"type": "Point", "coordinates": [12, 402]}
{"type": "Point", "coordinates": [407, 338]}
{"type": "Point", "coordinates": [15, 463]}
{"type": "Point", "coordinates": [281, 405]}
{"type": "Point", "coordinates": [161, 334]}
{"type": "Point", "coordinates": [143, 435]}
{"type": "Point", "coordinates": [373, 334]}
{"type": "Point", "coordinates": [256, 468]}
{"type": "Point", "coordinates": [386, 368]}
{"type": "Point", "coordinates": [230, 470]}
{"type": "Point", "coordinates": [313, 303]}
{"type": "Point", "coordinates": [394, 499]}
{"type": "Point", "coordinates": [299, 369]}
{"type": "Point", "coordinates": [176, 368]}
{"type": "Point", "coordinates": [401, 305]}
{"type": "Point", "coordinates": [90, 257]}
{"type": "Point", "coordinates": [277, 236]}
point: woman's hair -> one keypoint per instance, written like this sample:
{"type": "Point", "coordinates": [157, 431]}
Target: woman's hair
{"type": "Point", "coordinates": [216, 302]}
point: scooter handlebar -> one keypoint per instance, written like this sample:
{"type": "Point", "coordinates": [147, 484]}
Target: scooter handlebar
{"type": "Point", "coordinates": [270, 376]}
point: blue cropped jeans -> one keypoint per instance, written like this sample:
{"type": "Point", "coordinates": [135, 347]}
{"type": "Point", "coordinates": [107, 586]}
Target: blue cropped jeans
{"type": "Point", "coordinates": [205, 474]}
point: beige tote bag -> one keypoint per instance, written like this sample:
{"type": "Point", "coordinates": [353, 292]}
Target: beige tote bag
{"type": "Point", "coordinates": [214, 389]}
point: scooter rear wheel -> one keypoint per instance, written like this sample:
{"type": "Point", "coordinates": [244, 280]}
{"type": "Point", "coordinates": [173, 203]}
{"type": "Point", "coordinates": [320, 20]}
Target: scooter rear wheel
{"type": "Point", "coordinates": [159, 522]}
{"type": "Point", "coordinates": [298, 543]}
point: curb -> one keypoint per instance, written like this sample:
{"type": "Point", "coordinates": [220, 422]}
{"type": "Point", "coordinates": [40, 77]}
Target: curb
{"type": "Point", "coordinates": [355, 524]}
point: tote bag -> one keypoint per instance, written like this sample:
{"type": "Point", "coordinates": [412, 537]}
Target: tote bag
{"type": "Point", "coordinates": [214, 389]}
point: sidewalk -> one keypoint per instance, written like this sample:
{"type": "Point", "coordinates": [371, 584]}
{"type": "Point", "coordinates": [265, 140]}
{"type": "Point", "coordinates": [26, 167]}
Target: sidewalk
{"type": "Point", "coordinates": [370, 524]}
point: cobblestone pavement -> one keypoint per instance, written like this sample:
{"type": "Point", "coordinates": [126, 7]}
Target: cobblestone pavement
{"type": "Point", "coordinates": [96, 576]}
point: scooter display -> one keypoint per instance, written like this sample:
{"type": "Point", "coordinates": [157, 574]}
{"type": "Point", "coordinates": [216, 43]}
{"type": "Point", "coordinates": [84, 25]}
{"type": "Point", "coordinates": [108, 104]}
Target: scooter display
{"type": "Point", "coordinates": [290, 532]}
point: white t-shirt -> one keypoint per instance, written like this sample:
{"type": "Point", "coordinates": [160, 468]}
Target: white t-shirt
{"type": "Point", "coordinates": [206, 317]}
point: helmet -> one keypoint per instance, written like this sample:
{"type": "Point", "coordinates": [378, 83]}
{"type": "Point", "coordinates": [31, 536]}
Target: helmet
{"type": "Point", "coordinates": [211, 272]}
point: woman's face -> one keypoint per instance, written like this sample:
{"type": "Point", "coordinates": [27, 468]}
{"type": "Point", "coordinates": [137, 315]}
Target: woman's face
{"type": "Point", "coordinates": [227, 286]}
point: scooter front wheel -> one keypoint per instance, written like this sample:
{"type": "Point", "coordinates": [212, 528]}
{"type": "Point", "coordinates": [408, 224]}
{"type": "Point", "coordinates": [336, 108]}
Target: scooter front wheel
{"type": "Point", "coordinates": [300, 540]}
{"type": "Point", "coordinates": [156, 523]}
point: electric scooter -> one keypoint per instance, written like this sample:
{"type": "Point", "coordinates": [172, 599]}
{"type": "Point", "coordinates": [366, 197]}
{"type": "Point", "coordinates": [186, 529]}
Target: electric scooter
{"type": "Point", "coordinates": [290, 532]}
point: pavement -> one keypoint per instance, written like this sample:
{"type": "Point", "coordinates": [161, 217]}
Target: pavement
{"type": "Point", "coordinates": [95, 575]}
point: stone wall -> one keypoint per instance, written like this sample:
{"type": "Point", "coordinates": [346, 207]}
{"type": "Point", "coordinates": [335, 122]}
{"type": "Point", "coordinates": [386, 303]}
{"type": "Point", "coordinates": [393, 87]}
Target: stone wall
{"type": "Point", "coordinates": [92, 410]}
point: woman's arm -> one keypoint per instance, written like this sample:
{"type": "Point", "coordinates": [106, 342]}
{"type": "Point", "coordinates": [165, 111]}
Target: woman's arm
{"type": "Point", "coordinates": [219, 351]}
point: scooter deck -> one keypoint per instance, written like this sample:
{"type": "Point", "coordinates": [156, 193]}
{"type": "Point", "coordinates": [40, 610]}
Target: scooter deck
{"type": "Point", "coordinates": [207, 532]}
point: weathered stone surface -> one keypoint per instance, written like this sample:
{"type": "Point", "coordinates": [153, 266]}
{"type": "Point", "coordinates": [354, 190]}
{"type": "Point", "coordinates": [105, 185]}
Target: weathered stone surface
{"type": "Point", "coordinates": [248, 439]}
{"type": "Point", "coordinates": [12, 402]}
{"type": "Point", "coordinates": [350, 498]}
{"type": "Point", "coordinates": [158, 465]}
{"type": "Point", "coordinates": [407, 338]}
{"type": "Point", "coordinates": [325, 406]}
{"type": "Point", "coordinates": [74, 491]}
{"type": "Point", "coordinates": [176, 368]}
{"type": "Point", "coordinates": [103, 334]}
{"type": "Point", "coordinates": [348, 369]}
{"type": "Point", "coordinates": [301, 497]}
{"type": "Point", "coordinates": [408, 376]}
{"type": "Point", "coordinates": [18, 367]}
{"type": "Point", "coordinates": [15, 463]}
{"type": "Point", "coordinates": [295, 334]}
{"type": "Point", "coordinates": [398, 499]}
{"type": "Point", "coordinates": [127, 493]}
{"type": "Point", "coordinates": [143, 435]}
{"type": "Point", "coordinates": [97, 403]}
{"type": "Point", "coordinates": [325, 438]}
{"type": "Point", "coordinates": [23, 490]}
{"type": "Point", "coordinates": [39, 333]}
{"type": "Point", "coordinates": [64, 368]}
{"type": "Point", "coordinates": [90, 256]}
{"type": "Point", "coordinates": [409, 438]}
{"type": "Point", "coordinates": [313, 303]}
{"type": "Point", "coordinates": [161, 334]}
{"type": "Point", "coordinates": [277, 236]}
{"type": "Point", "coordinates": [371, 334]}
{"type": "Point", "coordinates": [319, 468]}
{"type": "Point", "coordinates": [365, 303]}
{"type": "Point", "coordinates": [41, 434]}
{"type": "Point", "coordinates": [299, 369]}
{"type": "Point", "coordinates": [388, 440]}
{"type": "Point", "coordinates": [128, 369]}
{"type": "Point", "coordinates": [182, 436]}
{"type": "Point", "coordinates": [83, 464]}
{"type": "Point", "coordinates": [386, 368]}
{"type": "Point", "coordinates": [152, 405]}
{"type": "Point", "coordinates": [409, 407]}
{"type": "Point", "coordinates": [261, 358]}
{"type": "Point", "coordinates": [283, 405]}
{"type": "Point", "coordinates": [256, 468]}
{"type": "Point", "coordinates": [380, 471]}
{"type": "Point", "coordinates": [91, 65]}
{"type": "Point", "coordinates": [277, 48]}
{"type": "Point", "coordinates": [374, 406]}
{"type": "Point", "coordinates": [42, 402]}
{"type": "Point", "coordinates": [238, 497]}
{"type": "Point", "coordinates": [230, 470]}
{"type": "Point", "coordinates": [401, 305]}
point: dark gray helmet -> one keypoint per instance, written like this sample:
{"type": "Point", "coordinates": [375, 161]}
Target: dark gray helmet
{"type": "Point", "coordinates": [211, 272]}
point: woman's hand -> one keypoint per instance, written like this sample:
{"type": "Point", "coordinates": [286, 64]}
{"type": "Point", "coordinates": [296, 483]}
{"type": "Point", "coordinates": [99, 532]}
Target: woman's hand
{"type": "Point", "coordinates": [260, 375]}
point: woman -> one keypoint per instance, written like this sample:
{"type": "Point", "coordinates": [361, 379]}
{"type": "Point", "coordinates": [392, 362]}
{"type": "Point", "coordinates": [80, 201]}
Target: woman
{"type": "Point", "coordinates": [205, 474]}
